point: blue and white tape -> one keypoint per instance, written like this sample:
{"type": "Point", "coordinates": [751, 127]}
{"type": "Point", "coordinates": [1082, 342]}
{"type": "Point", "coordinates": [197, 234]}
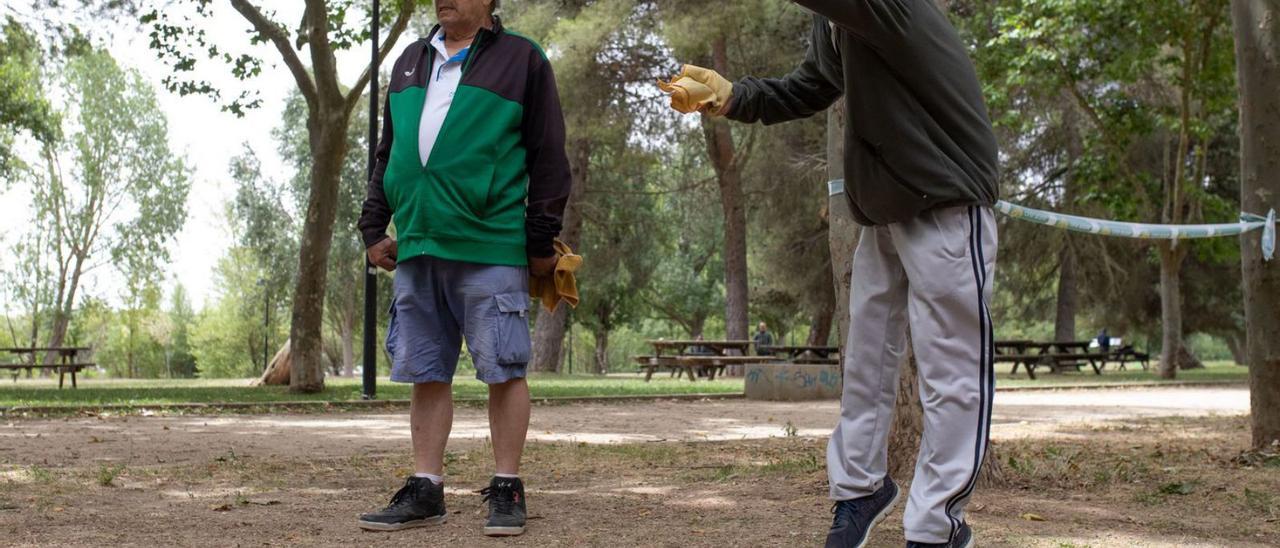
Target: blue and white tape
{"type": "Point", "coordinates": [1248, 223]}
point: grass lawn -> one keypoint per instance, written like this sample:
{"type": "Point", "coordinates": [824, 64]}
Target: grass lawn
{"type": "Point", "coordinates": [1216, 371]}
{"type": "Point", "coordinates": [140, 392]}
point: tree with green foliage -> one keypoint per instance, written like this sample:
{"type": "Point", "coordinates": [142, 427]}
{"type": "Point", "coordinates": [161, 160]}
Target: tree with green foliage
{"type": "Point", "coordinates": [603, 50]}
{"type": "Point", "coordinates": [125, 192]}
{"type": "Point", "coordinates": [24, 103]}
{"type": "Point", "coordinates": [325, 28]}
{"type": "Point", "coordinates": [179, 360]}
{"type": "Point", "coordinates": [1149, 88]}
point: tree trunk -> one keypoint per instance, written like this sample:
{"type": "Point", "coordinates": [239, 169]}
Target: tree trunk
{"type": "Point", "coordinates": [602, 351]}
{"type": "Point", "coordinates": [697, 325]}
{"type": "Point", "coordinates": [62, 313]}
{"type": "Point", "coordinates": [1170, 306]}
{"type": "Point", "coordinates": [720, 147]}
{"type": "Point", "coordinates": [820, 330]}
{"type": "Point", "coordinates": [1239, 353]}
{"type": "Point", "coordinates": [1064, 327]}
{"type": "Point", "coordinates": [328, 150]}
{"type": "Point", "coordinates": [278, 373]}
{"type": "Point", "coordinates": [842, 231]}
{"type": "Point", "coordinates": [1257, 28]}
{"type": "Point", "coordinates": [549, 328]}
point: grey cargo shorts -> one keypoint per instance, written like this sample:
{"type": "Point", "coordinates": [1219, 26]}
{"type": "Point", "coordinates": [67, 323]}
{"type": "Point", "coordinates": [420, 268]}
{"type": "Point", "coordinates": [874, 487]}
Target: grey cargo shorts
{"type": "Point", "coordinates": [437, 303]}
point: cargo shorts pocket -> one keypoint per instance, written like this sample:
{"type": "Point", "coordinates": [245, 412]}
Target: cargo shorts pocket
{"type": "Point", "coordinates": [514, 346]}
{"type": "Point", "coordinates": [393, 331]}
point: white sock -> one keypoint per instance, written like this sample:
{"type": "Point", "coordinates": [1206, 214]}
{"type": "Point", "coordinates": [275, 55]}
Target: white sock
{"type": "Point", "coordinates": [509, 476]}
{"type": "Point", "coordinates": [434, 478]}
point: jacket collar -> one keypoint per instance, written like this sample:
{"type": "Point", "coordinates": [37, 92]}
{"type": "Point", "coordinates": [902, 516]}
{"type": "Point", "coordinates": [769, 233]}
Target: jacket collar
{"type": "Point", "coordinates": [486, 32]}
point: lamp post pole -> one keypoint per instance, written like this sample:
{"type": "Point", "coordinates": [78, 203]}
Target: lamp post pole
{"type": "Point", "coordinates": [369, 370]}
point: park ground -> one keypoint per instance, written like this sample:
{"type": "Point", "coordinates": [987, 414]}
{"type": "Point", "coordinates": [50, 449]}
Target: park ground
{"type": "Point", "coordinates": [22, 393]}
{"type": "Point", "coordinates": [1092, 467]}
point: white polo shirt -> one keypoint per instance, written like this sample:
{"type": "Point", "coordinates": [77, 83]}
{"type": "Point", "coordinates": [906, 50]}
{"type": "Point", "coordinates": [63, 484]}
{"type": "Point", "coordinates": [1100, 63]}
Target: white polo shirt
{"type": "Point", "coordinates": [442, 83]}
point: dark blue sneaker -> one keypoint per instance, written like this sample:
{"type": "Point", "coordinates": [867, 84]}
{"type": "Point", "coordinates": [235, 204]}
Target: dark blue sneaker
{"type": "Point", "coordinates": [856, 518]}
{"type": "Point", "coordinates": [962, 539]}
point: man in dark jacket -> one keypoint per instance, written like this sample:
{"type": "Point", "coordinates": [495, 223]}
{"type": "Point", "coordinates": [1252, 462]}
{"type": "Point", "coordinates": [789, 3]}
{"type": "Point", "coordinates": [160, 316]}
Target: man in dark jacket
{"type": "Point", "coordinates": [920, 169]}
{"type": "Point", "coordinates": [471, 167]}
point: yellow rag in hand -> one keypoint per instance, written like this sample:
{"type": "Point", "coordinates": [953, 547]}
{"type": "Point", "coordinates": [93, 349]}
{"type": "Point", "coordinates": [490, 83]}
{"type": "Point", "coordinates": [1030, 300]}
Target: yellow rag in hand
{"type": "Point", "coordinates": [697, 89]}
{"type": "Point", "coordinates": [561, 285]}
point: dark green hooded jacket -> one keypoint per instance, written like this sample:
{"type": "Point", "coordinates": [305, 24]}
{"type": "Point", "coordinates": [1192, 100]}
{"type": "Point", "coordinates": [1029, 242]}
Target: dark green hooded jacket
{"type": "Point", "coordinates": [918, 136]}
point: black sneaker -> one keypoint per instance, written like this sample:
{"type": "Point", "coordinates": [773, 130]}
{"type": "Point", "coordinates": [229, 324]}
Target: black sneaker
{"type": "Point", "coordinates": [855, 518]}
{"type": "Point", "coordinates": [419, 503]}
{"type": "Point", "coordinates": [506, 507]}
{"type": "Point", "coordinates": [962, 539]}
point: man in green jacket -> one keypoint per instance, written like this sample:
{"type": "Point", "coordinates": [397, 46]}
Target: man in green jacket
{"type": "Point", "coordinates": [920, 174]}
{"type": "Point", "coordinates": [472, 169]}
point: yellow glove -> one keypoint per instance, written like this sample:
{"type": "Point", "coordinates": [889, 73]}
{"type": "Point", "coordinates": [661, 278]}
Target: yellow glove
{"type": "Point", "coordinates": [697, 89]}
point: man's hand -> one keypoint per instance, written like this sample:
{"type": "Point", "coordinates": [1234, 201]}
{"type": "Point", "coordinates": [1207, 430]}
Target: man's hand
{"type": "Point", "coordinates": [698, 89]}
{"type": "Point", "coordinates": [383, 254]}
{"type": "Point", "coordinates": [542, 266]}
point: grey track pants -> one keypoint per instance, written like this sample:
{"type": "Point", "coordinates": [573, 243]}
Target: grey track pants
{"type": "Point", "coordinates": [932, 273]}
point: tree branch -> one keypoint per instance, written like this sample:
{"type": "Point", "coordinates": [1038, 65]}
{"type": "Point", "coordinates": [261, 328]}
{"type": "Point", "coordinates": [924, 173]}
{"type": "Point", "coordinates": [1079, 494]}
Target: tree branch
{"type": "Point", "coordinates": [323, 63]}
{"type": "Point", "coordinates": [397, 28]}
{"type": "Point", "coordinates": [276, 34]}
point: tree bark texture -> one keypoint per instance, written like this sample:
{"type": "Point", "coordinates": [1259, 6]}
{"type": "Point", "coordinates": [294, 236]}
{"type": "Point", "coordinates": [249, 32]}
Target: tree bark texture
{"type": "Point", "coordinates": [1257, 31]}
{"type": "Point", "coordinates": [1064, 326]}
{"type": "Point", "coordinates": [549, 327]}
{"type": "Point", "coordinates": [328, 150]}
{"type": "Point", "coordinates": [1171, 258]}
{"type": "Point", "coordinates": [842, 231]}
{"type": "Point", "coordinates": [720, 147]}
{"type": "Point", "coordinates": [602, 351]}
{"type": "Point", "coordinates": [820, 330]}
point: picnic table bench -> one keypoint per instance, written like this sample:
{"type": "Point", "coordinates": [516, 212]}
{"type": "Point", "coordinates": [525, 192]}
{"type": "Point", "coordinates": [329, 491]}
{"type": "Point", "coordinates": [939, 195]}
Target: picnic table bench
{"type": "Point", "coordinates": [1059, 355]}
{"type": "Point", "coordinates": [67, 362]}
{"type": "Point", "coordinates": [691, 364]}
{"type": "Point", "coordinates": [805, 353]}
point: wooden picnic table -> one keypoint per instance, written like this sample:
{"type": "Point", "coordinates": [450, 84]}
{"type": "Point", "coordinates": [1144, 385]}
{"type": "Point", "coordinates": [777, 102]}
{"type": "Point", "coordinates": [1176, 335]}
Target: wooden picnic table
{"type": "Point", "coordinates": [697, 357]}
{"type": "Point", "coordinates": [682, 347]}
{"type": "Point", "coordinates": [1057, 355]}
{"type": "Point", "coordinates": [67, 363]}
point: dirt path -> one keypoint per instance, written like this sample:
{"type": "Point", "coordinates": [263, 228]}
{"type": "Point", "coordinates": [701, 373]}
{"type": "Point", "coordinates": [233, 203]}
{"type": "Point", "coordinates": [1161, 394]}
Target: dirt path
{"type": "Point", "coordinates": [1095, 464]}
{"type": "Point", "coordinates": [185, 439]}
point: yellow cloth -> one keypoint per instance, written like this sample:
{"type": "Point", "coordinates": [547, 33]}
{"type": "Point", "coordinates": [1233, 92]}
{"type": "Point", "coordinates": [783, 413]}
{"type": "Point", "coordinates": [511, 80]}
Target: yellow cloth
{"type": "Point", "coordinates": [561, 285]}
{"type": "Point", "coordinates": [697, 89]}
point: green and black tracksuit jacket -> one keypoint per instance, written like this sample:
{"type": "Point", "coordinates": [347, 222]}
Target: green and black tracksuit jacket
{"type": "Point", "coordinates": [495, 186]}
{"type": "Point", "coordinates": [918, 136]}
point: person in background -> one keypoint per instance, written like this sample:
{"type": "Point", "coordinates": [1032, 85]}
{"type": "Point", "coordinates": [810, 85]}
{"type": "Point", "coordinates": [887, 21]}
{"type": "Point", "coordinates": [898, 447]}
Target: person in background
{"type": "Point", "coordinates": [763, 340]}
{"type": "Point", "coordinates": [1104, 340]}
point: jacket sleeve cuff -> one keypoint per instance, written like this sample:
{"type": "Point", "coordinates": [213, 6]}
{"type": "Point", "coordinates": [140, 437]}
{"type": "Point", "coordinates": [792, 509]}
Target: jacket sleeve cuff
{"type": "Point", "coordinates": [541, 248]}
{"type": "Point", "coordinates": [374, 238]}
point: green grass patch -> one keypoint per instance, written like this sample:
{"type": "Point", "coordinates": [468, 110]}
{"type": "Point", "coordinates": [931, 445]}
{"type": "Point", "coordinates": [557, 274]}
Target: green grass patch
{"type": "Point", "coordinates": [1219, 371]}
{"type": "Point", "coordinates": [142, 393]}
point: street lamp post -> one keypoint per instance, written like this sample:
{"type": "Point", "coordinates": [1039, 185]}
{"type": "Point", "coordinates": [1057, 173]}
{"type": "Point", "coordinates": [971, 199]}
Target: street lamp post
{"type": "Point", "coordinates": [369, 370]}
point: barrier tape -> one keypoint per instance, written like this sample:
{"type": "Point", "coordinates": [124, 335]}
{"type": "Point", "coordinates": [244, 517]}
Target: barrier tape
{"type": "Point", "coordinates": [1248, 223]}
